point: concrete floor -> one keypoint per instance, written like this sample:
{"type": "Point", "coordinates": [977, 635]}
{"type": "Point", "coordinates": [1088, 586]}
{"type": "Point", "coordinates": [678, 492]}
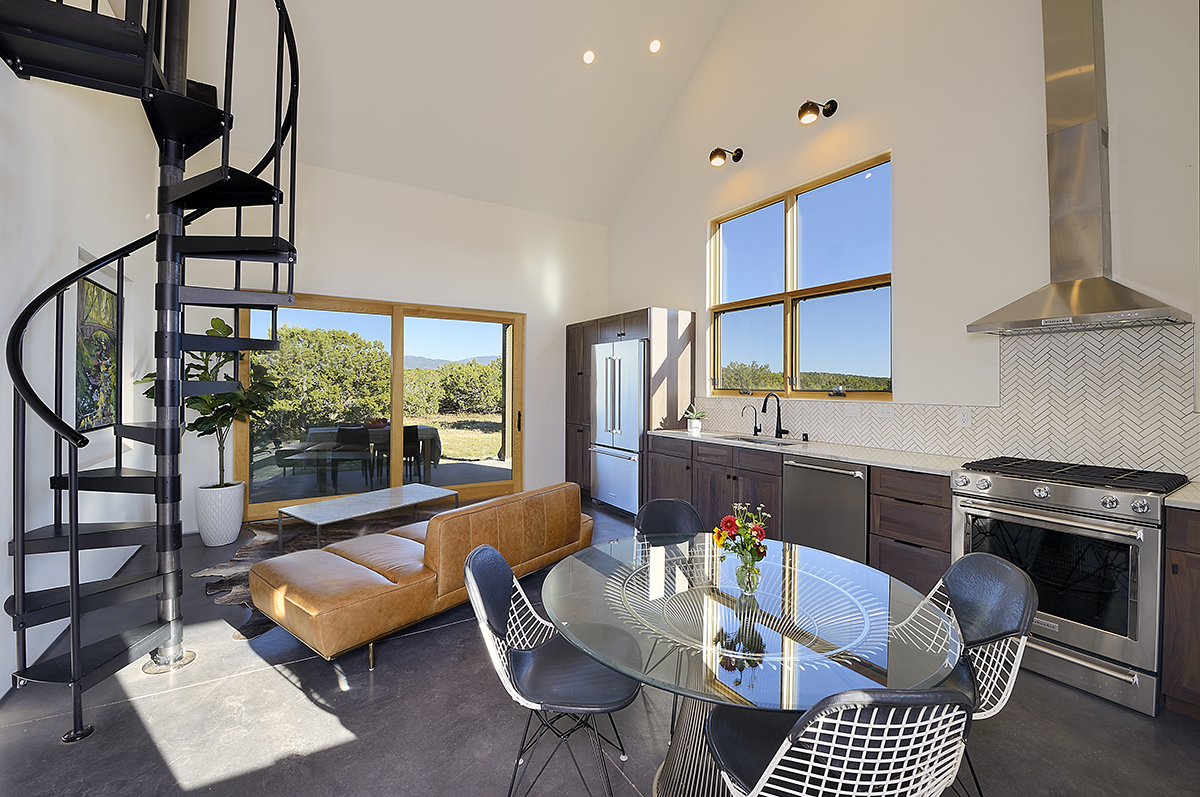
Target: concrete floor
{"type": "Point", "coordinates": [268, 717]}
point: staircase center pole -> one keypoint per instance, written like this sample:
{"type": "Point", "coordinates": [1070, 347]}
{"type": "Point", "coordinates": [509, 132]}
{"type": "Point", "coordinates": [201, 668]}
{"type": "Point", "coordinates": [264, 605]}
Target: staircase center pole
{"type": "Point", "coordinates": [168, 358]}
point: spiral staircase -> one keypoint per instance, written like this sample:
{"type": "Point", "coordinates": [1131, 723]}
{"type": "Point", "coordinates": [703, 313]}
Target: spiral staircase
{"type": "Point", "coordinates": [142, 55]}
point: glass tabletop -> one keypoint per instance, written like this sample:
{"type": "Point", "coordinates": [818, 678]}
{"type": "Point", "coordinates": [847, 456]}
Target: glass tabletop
{"type": "Point", "coordinates": [816, 624]}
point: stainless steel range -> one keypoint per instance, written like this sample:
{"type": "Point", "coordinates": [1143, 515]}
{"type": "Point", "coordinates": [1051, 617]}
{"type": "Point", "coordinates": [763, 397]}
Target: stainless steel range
{"type": "Point", "coordinates": [1091, 540]}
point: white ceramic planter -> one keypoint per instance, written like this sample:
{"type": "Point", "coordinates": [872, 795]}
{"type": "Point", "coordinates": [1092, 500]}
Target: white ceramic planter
{"type": "Point", "coordinates": [219, 513]}
{"type": "Point", "coordinates": [693, 426]}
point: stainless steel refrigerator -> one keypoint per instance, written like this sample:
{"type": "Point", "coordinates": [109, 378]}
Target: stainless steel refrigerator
{"type": "Point", "coordinates": [619, 401]}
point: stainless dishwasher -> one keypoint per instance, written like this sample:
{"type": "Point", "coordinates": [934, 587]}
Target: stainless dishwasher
{"type": "Point", "coordinates": [825, 506]}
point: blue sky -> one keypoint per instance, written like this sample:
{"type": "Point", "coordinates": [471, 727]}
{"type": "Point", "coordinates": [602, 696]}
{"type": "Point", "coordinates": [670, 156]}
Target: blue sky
{"type": "Point", "coordinates": [844, 232]}
{"type": "Point", "coordinates": [436, 338]}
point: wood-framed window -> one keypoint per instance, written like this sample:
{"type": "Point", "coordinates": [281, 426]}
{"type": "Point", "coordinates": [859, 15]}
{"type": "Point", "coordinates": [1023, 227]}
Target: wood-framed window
{"type": "Point", "coordinates": [801, 289]}
{"type": "Point", "coordinates": [351, 363]}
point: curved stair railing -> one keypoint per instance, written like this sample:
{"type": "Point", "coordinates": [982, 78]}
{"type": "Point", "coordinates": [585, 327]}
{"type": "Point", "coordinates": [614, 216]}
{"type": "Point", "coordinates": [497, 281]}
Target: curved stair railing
{"type": "Point", "coordinates": [185, 119]}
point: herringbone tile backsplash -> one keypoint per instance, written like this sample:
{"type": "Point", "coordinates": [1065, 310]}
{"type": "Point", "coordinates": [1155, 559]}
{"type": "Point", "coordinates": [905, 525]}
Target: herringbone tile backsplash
{"type": "Point", "coordinates": [1121, 397]}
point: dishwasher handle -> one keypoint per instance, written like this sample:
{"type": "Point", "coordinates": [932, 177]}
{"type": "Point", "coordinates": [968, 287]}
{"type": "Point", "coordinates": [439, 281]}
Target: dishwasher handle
{"type": "Point", "coordinates": [857, 474]}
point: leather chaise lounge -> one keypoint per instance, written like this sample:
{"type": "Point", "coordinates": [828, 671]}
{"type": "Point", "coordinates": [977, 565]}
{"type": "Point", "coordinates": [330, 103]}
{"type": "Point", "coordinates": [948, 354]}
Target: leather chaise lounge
{"type": "Point", "coordinates": [352, 593]}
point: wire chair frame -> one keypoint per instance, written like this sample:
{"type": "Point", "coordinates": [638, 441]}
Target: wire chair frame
{"type": "Point", "coordinates": [854, 748]}
{"type": "Point", "coordinates": [927, 628]}
{"type": "Point", "coordinates": [525, 630]}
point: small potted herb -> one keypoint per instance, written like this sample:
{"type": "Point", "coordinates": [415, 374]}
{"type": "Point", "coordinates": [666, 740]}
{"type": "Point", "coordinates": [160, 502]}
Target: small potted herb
{"type": "Point", "coordinates": [693, 417]}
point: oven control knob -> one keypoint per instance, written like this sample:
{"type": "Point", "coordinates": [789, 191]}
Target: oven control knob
{"type": "Point", "coordinates": [984, 483]}
{"type": "Point", "coordinates": [962, 481]}
{"type": "Point", "coordinates": [1141, 506]}
{"type": "Point", "coordinates": [1110, 502]}
{"type": "Point", "coordinates": [1041, 491]}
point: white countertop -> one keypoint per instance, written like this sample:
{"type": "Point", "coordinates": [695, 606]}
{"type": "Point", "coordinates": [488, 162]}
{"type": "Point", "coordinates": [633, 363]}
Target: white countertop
{"type": "Point", "coordinates": [1186, 497]}
{"type": "Point", "coordinates": [881, 457]}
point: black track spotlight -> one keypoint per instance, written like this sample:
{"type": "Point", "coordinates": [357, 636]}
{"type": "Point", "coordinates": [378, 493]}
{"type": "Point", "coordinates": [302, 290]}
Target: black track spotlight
{"type": "Point", "coordinates": [718, 156]}
{"type": "Point", "coordinates": [810, 111]}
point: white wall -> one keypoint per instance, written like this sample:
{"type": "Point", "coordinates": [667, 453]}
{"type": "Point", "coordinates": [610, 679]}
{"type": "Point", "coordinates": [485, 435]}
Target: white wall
{"type": "Point", "coordinates": [371, 239]}
{"type": "Point", "coordinates": [955, 91]}
{"type": "Point", "coordinates": [77, 169]}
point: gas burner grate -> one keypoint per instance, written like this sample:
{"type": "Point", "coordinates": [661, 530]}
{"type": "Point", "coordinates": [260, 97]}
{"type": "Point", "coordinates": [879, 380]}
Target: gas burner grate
{"type": "Point", "coordinates": [1086, 475]}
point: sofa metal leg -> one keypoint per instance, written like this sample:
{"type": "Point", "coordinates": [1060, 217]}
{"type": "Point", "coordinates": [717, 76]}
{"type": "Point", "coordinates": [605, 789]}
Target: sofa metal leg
{"type": "Point", "coordinates": [371, 657]}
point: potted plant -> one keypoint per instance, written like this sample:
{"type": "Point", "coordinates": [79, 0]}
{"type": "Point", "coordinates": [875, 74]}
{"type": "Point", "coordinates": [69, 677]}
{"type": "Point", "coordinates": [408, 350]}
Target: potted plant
{"type": "Point", "coordinates": [693, 417]}
{"type": "Point", "coordinates": [220, 506]}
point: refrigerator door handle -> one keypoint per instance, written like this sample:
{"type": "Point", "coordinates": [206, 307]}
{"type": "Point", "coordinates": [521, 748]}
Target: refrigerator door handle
{"type": "Point", "coordinates": [595, 450]}
{"type": "Point", "coordinates": [616, 395]}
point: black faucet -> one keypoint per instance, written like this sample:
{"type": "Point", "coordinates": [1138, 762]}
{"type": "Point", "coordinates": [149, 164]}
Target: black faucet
{"type": "Point", "coordinates": [779, 430]}
{"type": "Point", "coordinates": [754, 409]}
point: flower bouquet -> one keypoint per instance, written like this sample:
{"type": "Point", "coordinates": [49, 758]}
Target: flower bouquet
{"type": "Point", "coordinates": [742, 534]}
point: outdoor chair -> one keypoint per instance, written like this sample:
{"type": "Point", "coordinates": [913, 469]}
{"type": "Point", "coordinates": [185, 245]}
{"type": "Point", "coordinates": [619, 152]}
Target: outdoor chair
{"type": "Point", "coordinates": [413, 462]}
{"type": "Point", "coordinates": [882, 742]}
{"type": "Point", "coordinates": [354, 445]}
{"type": "Point", "coordinates": [559, 684]}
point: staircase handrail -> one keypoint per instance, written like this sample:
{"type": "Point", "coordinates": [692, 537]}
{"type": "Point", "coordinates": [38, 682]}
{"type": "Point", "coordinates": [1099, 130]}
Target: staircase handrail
{"type": "Point", "coordinates": [16, 334]}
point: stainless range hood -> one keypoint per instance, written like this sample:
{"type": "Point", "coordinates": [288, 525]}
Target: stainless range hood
{"type": "Point", "coordinates": [1081, 293]}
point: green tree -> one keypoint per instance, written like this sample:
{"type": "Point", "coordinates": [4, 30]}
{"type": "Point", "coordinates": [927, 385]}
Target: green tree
{"type": "Point", "coordinates": [325, 377]}
{"type": "Point", "coordinates": [422, 391]}
{"type": "Point", "coordinates": [470, 388]}
{"type": "Point", "coordinates": [739, 376]}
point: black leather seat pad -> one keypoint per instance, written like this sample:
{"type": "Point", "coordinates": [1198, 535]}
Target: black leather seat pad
{"type": "Point", "coordinates": [744, 740]}
{"type": "Point", "coordinates": [561, 677]}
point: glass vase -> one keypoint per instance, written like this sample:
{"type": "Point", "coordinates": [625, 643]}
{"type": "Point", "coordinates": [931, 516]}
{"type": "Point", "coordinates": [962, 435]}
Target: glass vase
{"type": "Point", "coordinates": [747, 573]}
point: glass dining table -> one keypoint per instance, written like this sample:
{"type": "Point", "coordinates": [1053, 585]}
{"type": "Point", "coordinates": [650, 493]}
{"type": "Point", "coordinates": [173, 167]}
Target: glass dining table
{"type": "Point", "coordinates": [671, 615]}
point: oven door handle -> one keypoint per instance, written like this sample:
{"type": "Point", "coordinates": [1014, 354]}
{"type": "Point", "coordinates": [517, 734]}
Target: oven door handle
{"type": "Point", "coordinates": [1073, 522]}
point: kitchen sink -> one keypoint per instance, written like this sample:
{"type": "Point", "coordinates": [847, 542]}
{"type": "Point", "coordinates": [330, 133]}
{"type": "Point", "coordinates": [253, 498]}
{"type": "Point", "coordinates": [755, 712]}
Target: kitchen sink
{"type": "Point", "coordinates": [762, 441]}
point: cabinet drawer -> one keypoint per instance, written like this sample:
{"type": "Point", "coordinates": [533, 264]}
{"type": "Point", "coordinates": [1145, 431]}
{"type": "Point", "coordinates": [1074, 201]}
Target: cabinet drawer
{"type": "Point", "coordinates": [921, 488]}
{"type": "Point", "coordinates": [918, 567]}
{"type": "Point", "coordinates": [712, 452]}
{"type": "Point", "coordinates": [672, 446]}
{"type": "Point", "coordinates": [916, 523]}
{"type": "Point", "coordinates": [760, 461]}
{"type": "Point", "coordinates": [1183, 529]}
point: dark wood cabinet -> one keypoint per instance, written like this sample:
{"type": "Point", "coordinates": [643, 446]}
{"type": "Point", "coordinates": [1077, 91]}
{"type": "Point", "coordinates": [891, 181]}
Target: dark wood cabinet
{"type": "Point", "coordinates": [909, 535]}
{"type": "Point", "coordinates": [712, 491]}
{"type": "Point", "coordinates": [754, 489]}
{"type": "Point", "coordinates": [578, 387]}
{"type": "Point", "coordinates": [579, 463]}
{"type": "Point", "coordinates": [668, 477]}
{"type": "Point", "coordinates": [633, 325]}
{"type": "Point", "coordinates": [1181, 613]}
{"type": "Point", "coordinates": [723, 475]}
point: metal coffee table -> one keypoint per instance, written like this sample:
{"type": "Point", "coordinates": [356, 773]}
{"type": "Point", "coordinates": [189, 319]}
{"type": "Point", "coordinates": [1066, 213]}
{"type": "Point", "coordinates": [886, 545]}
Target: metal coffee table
{"type": "Point", "coordinates": [349, 507]}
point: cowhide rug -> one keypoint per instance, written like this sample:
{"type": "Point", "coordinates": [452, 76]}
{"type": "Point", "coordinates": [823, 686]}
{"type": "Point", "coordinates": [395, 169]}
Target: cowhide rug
{"type": "Point", "coordinates": [232, 584]}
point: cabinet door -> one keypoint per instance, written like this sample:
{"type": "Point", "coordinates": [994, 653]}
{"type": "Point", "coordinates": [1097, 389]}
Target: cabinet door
{"type": "Point", "coordinates": [609, 329]}
{"type": "Point", "coordinates": [1181, 627]}
{"type": "Point", "coordinates": [668, 477]}
{"type": "Point", "coordinates": [635, 325]}
{"type": "Point", "coordinates": [759, 488]}
{"type": "Point", "coordinates": [918, 567]}
{"type": "Point", "coordinates": [576, 407]}
{"type": "Point", "coordinates": [712, 491]}
{"type": "Point", "coordinates": [579, 464]}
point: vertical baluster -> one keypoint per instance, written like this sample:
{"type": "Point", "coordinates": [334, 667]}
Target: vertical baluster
{"type": "Point", "coordinates": [278, 126]}
{"type": "Point", "coordinates": [78, 730]}
{"type": "Point", "coordinates": [237, 270]}
{"type": "Point", "coordinates": [228, 89]}
{"type": "Point", "coordinates": [151, 38]}
{"type": "Point", "coordinates": [133, 12]}
{"type": "Point", "coordinates": [58, 402]}
{"type": "Point", "coordinates": [118, 386]}
{"type": "Point", "coordinates": [18, 530]}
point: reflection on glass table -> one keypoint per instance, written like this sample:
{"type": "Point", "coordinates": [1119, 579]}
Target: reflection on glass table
{"type": "Point", "coordinates": [816, 625]}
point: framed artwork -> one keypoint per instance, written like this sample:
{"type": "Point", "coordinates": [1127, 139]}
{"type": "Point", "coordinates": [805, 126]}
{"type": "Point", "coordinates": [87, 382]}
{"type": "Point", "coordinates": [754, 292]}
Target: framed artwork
{"type": "Point", "coordinates": [95, 357]}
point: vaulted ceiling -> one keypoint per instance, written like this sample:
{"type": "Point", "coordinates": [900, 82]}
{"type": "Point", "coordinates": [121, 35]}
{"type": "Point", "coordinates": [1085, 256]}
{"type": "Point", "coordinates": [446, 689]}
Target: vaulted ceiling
{"type": "Point", "coordinates": [481, 99]}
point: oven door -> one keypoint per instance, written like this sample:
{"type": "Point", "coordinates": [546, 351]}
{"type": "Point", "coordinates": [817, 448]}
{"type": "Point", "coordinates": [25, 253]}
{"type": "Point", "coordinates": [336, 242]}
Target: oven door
{"type": "Point", "coordinates": [1098, 582]}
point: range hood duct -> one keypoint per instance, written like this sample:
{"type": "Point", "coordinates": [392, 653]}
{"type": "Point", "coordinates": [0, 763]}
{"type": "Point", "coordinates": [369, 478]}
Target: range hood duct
{"type": "Point", "coordinates": [1081, 293]}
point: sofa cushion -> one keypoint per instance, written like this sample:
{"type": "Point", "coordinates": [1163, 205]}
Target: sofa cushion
{"type": "Point", "coordinates": [400, 560]}
{"type": "Point", "coordinates": [333, 604]}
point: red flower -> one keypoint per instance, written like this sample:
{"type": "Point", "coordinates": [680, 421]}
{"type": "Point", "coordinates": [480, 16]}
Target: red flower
{"type": "Point", "coordinates": [729, 523]}
{"type": "Point", "coordinates": [759, 531]}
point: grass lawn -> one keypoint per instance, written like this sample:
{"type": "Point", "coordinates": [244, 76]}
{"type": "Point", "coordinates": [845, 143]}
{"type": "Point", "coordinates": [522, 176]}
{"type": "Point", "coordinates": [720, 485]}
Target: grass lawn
{"type": "Point", "coordinates": [464, 437]}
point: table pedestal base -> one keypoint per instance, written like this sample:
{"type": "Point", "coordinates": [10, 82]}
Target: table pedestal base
{"type": "Point", "coordinates": [689, 770]}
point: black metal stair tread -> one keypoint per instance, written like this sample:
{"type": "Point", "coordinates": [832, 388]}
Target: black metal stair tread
{"type": "Point", "coordinates": [224, 297]}
{"type": "Point", "coordinates": [267, 248]}
{"type": "Point", "coordinates": [210, 388]}
{"type": "Point", "coordinates": [194, 122]}
{"type": "Point", "coordinates": [110, 480]}
{"type": "Point", "coordinates": [72, 45]}
{"type": "Point", "coordinates": [46, 605]}
{"type": "Point", "coordinates": [213, 189]}
{"type": "Point", "coordinates": [141, 431]}
{"type": "Point", "coordinates": [46, 539]}
{"type": "Point", "coordinates": [101, 659]}
{"type": "Point", "coordinates": [218, 343]}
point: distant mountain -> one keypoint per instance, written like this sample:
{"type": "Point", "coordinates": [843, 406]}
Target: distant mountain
{"type": "Point", "coordinates": [413, 362]}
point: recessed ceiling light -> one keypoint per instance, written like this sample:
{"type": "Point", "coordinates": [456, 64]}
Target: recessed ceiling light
{"type": "Point", "coordinates": [655, 46]}
{"type": "Point", "coordinates": [588, 57]}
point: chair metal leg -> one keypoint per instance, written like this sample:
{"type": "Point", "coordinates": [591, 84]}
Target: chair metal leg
{"type": "Point", "coordinates": [598, 751]}
{"type": "Point", "coordinates": [974, 777]}
{"type": "Point", "coordinates": [512, 782]}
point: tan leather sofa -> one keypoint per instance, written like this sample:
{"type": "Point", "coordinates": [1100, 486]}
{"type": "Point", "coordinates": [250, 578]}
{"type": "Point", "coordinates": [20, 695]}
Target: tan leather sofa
{"type": "Point", "coordinates": [352, 593]}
